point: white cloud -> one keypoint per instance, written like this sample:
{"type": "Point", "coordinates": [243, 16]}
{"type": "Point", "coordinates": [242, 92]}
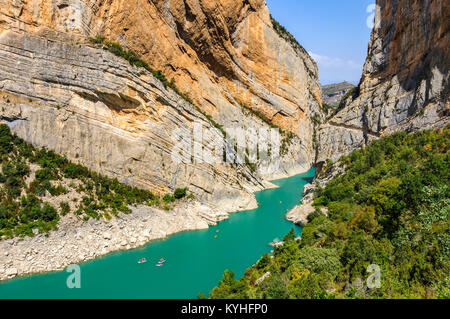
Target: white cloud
{"type": "Point", "coordinates": [329, 62]}
{"type": "Point", "coordinates": [333, 70]}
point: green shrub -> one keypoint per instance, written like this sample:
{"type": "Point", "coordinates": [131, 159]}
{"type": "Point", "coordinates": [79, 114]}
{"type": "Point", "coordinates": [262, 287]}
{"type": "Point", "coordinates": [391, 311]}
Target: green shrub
{"type": "Point", "coordinates": [180, 193]}
{"type": "Point", "coordinates": [65, 208]}
{"type": "Point", "coordinates": [317, 212]}
{"type": "Point", "coordinates": [168, 198]}
{"type": "Point", "coordinates": [99, 39]}
{"type": "Point", "coordinates": [6, 145]}
{"type": "Point", "coordinates": [49, 213]}
{"type": "Point", "coordinates": [75, 171]}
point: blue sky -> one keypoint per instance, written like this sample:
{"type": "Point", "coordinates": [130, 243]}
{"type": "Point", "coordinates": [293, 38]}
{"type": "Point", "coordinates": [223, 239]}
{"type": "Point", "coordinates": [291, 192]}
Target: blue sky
{"type": "Point", "coordinates": [334, 32]}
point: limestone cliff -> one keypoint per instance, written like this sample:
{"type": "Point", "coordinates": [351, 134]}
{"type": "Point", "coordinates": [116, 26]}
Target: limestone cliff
{"type": "Point", "coordinates": [221, 53]}
{"type": "Point", "coordinates": [405, 82]}
{"type": "Point", "coordinates": [59, 91]}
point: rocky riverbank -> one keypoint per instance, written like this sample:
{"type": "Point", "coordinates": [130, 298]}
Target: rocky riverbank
{"type": "Point", "coordinates": [299, 214]}
{"type": "Point", "coordinates": [77, 241]}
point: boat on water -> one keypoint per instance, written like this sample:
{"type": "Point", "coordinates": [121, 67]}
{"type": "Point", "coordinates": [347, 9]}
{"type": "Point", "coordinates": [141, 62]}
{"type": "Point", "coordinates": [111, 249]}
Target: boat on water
{"type": "Point", "coordinates": [159, 265]}
{"type": "Point", "coordinates": [142, 261]}
{"type": "Point", "coordinates": [161, 261]}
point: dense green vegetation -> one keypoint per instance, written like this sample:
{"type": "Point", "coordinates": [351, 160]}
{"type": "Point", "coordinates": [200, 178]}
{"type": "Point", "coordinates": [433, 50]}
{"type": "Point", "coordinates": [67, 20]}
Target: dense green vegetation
{"type": "Point", "coordinates": [23, 207]}
{"type": "Point", "coordinates": [390, 208]}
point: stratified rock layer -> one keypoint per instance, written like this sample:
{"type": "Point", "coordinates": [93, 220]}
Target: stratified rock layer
{"type": "Point", "coordinates": [220, 52]}
{"type": "Point", "coordinates": [405, 82]}
{"type": "Point", "coordinates": [116, 119]}
{"type": "Point", "coordinates": [223, 54]}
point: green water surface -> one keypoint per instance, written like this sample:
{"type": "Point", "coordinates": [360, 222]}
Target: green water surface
{"type": "Point", "coordinates": [195, 260]}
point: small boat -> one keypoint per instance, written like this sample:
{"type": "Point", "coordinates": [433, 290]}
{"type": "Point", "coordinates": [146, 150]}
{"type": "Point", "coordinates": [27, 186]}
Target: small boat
{"type": "Point", "coordinates": [142, 261]}
{"type": "Point", "coordinates": [159, 265]}
{"type": "Point", "coordinates": [161, 261]}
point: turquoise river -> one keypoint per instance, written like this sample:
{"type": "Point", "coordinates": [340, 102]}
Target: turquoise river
{"type": "Point", "coordinates": [195, 262]}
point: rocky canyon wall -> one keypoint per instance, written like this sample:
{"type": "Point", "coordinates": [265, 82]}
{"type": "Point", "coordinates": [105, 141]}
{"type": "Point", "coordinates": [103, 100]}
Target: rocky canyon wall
{"type": "Point", "coordinates": [116, 119]}
{"type": "Point", "coordinates": [61, 92]}
{"type": "Point", "coordinates": [405, 81]}
{"type": "Point", "coordinates": [223, 54]}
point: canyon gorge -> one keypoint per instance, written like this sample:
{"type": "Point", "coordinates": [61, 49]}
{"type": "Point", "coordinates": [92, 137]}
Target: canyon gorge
{"type": "Point", "coordinates": [229, 64]}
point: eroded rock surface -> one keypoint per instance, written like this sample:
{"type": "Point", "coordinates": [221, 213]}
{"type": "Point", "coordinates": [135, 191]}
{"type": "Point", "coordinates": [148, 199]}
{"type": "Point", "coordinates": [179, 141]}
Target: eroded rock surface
{"type": "Point", "coordinates": [116, 119]}
{"type": "Point", "coordinates": [223, 54]}
{"type": "Point", "coordinates": [405, 82]}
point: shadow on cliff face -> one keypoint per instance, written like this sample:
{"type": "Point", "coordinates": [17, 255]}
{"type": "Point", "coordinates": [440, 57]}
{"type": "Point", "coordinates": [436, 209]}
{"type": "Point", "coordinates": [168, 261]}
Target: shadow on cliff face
{"type": "Point", "coordinates": [116, 102]}
{"type": "Point", "coordinates": [436, 59]}
{"type": "Point", "coordinates": [209, 35]}
{"type": "Point", "coordinates": [416, 42]}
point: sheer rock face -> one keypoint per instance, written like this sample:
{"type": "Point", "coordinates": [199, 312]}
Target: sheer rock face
{"type": "Point", "coordinates": [223, 54]}
{"type": "Point", "coordinates": [116, 119]}
{"type": "Point", "coordinates": [405, 82]}
{"type": "Point", "coordinates": [220, 53]}
{"type": "Point", "coordinates": [59, 92]}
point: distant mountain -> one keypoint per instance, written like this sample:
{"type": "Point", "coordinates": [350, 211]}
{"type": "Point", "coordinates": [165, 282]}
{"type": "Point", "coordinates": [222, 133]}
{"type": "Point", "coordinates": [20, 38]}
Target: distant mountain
{"type": "Point", "coordinates": [337, 87]}
{"type": "Point", "coordinates": [333, 93]}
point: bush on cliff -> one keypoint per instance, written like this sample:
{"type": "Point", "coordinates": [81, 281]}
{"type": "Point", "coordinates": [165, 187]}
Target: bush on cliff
{"type": "Point", "coordinates": [180, 193]}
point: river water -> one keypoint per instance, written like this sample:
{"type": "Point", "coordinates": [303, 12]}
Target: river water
{"type": "Point", "coordinates": [195, 260]}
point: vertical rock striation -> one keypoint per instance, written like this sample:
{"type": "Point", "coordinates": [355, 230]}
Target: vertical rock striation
{"type": "Point", "coordinates": [405, 81]}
